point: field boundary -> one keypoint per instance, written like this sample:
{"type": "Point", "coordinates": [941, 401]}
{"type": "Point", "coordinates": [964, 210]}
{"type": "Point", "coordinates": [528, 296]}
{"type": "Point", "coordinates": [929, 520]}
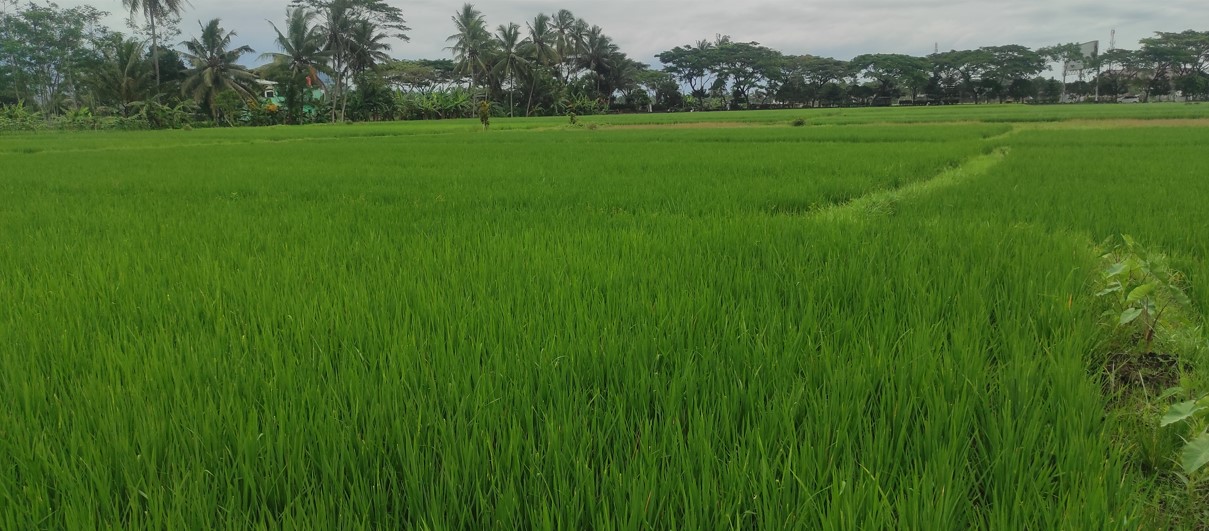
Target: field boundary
{"type": "Point", "coordinates": [884, 201]}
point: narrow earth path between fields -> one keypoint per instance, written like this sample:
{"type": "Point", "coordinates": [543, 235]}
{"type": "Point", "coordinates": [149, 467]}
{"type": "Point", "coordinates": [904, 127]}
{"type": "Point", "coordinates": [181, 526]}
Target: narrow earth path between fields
{"type": "Point", "coordinates": [884, 201]}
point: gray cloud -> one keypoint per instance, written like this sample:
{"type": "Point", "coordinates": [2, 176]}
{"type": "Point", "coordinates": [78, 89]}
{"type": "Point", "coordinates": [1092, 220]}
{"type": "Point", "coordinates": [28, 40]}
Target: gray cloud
{"type": "Point", "coordinates": [834, 28]}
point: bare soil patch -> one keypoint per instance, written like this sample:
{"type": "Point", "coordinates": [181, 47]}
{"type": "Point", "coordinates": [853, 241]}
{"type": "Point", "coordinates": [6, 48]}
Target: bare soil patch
{"type": "Point", "coordinates": [1154, 371]}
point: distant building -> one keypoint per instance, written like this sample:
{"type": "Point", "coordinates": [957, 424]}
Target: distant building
{"type": "Point", "coordinates": [269, 94]}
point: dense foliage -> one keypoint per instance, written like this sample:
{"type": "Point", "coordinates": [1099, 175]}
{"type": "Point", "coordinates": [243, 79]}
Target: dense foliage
{"type": "Point", "coordinates": [333, 63]}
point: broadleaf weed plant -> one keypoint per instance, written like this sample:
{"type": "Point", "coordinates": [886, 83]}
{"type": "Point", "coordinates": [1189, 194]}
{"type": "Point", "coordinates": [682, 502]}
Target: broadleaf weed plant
{"type": "Point", "coordinates": [1151, 310]}
{"type": "Point", "coordinates": [1144, 293]}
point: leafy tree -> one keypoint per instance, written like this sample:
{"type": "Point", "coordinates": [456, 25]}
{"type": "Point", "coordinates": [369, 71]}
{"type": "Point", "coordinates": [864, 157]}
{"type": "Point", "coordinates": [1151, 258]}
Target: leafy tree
{"type": "Point", "coordinates": [420, 76]}
{"type": "Point", "coordinates": [1064, 54]}
{"type": "Point", "coordinates": [747, 66]}
{"type": "Point", "coordinates": [832, 94]}
{"type": "Point", "coordinates": [1193, 85]}
{"type": "Point", "coordinates": [214, 67]}
{"type": "Point", "coordinates": [724, 66]}
{"type": "Point", "coordinates": [1176, 57]}
{"type": "Point", "coordinates": [692, 64]}
{"type": "Point", "coordinates": [1185, 53]}
{"type": "Point", "coordinates": [668, 96]}
{"type": "Point", "coordinates": [948, 77]}
{"type": "Point", "coordinates": [1121, 70]}
{"type": "Point", "coordinates": [625, 76]}
{"type": "Point", "coordinates": [660, 87]}
{"type": "Point", "coordinates": [960, 72]}
{"type": "Point", "coordinates": [1080, 88]}
{"type": "Point", "coordinates": [172, 72]}
{"type": "Point", "coordinates": [893, 72]}
{"type": "Point", "coordinates": [1022, 89]}
{"type": "Point", "coordinates": [806, 75]}
{"type": "Point", "coordinates": [862, 93]}
{"type": "Point", "coordinates": [1048, 90]}
{"type": "Point", "coordinates": [1005, 64]}
{"type": "Point", "coordinates": [48, 51]}
{"type": "Point", "coordinates": [372, 100]}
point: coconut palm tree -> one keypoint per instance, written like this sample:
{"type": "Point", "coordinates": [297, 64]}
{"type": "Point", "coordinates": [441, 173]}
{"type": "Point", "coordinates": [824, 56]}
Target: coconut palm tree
{"type": "Point", "coordinates": [624, 75]}
{"type": "Point", "coordinates": [597, 55]}
{"type": "Point", "coordinates": [154, 10]}
{"type": "Point", "coordinates": [539, 45]}
{"type": "Point", "coordinates": [579, 36]}
{"type": "Point", "coordinates": [301, 58]}
{"type": "Point", "coordinates": [338, 18]}
{"type": "Point", "coordinates": [540, 49]}
{"type": "Point", "coordinates": [564, 25]}
{"type": "Point", "coordinates": [214, 67]}
{"type": "Point", "coordinates": [511, 58]}
{"type": "Point", "coordinates": [122, 76]}
{"type": "Point", "coordinates": [367, 47]}
{"type": "Point", "coordinates": [472, 42]}
{"type": "Point", "coordinates": [566, 43]}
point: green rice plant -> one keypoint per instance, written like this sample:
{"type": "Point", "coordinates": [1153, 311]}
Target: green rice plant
{"type": "Point", "coordinates": [642, 327]}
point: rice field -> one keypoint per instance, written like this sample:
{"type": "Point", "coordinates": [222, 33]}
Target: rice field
{"type": "Point", "coordinates": [881, 320]}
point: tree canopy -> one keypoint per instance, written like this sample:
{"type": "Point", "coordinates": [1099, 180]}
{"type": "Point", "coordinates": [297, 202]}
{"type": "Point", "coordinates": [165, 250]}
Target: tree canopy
{"type": "Point", "coordinates": [332, 61]}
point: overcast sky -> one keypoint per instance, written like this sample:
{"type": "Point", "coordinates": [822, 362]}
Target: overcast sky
{"type": "Point", "coordinates": [835, 28]}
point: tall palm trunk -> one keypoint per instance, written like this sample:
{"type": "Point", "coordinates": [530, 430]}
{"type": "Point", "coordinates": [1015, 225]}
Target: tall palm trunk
{"type": "Point", "coordinates": [529, 105]}
{"type": "Point", "coordinates": [338, 90]}
{"type": "Point", "coordinates": [155, 47]}
{"type": "Point", "coordinates": [343, 102]}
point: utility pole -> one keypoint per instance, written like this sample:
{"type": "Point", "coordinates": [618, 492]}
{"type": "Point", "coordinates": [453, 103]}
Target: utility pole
{"type": "Point", "coordinates": [1095, 53]}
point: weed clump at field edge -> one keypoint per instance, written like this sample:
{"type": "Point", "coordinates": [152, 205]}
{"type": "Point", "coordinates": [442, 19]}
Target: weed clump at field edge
{"type": "Point", "coordinates": [1149, 310]}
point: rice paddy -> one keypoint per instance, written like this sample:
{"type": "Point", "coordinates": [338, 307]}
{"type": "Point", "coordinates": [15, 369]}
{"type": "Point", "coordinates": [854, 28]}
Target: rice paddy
{"type": "Point", "coordinates": [881, 320]}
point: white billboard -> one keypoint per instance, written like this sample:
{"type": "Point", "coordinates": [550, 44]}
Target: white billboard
{"type": "Point", "coordinates": [1088, 50]}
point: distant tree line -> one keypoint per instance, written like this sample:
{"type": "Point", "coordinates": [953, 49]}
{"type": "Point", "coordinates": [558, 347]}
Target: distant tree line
{"type": "Point", "coordinates": [61, 67]}
{"type": "Point", "coordinates": [727, 74]}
